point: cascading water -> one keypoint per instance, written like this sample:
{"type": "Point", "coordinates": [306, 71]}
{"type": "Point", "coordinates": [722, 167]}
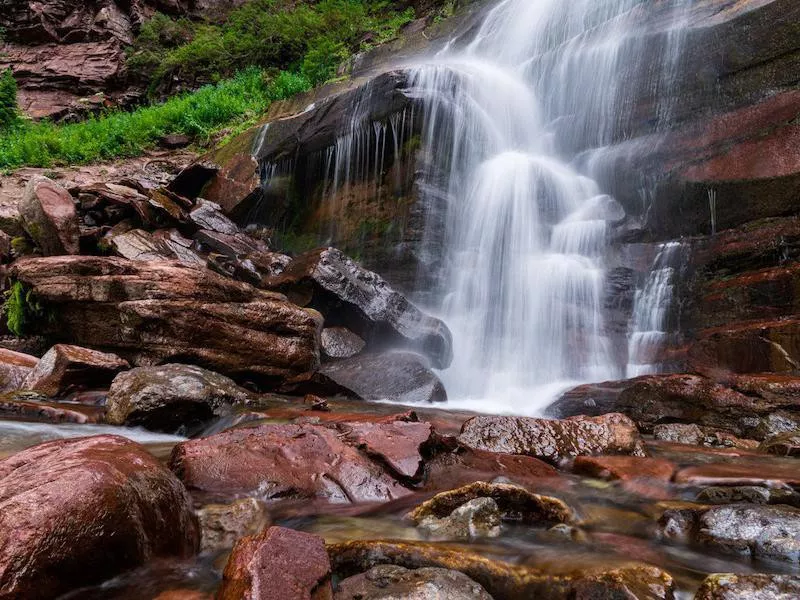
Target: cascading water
{"type": "Point", "coordinates": [525, 231]}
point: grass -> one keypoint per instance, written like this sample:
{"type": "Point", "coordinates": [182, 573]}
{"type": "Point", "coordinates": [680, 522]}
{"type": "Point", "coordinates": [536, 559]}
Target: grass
{"type": "Point", "coordinates": [124, 134]}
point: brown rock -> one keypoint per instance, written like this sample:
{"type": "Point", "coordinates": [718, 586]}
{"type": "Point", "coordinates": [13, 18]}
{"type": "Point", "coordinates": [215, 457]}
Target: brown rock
{"type": "Point", "coordinates": [277, 563]}
{"type": "Point", "coordinates": [154, 312]}
{"type": "Point", "coordinates": [65, 369]}
{"type": "Point", "coordinates": [741, 472]}
{"type": "Point", "coordinates": [683, 433]}
{"type": "Point", "coordinates": [21, 406]}
{"type": "Point", "coordinates": [49, 217]}
{"type": "Point", "coordinates": [101, 500]}
{"type": "Point", "coordinates": [783, 444]}
{"type": "Point", "coordinates": [624, 468]}
{"type": "Point", "coordinates": [222, 524]}
{"type": "Point", "coordinates": [283, 461]}
{"type": "Point", "coordinates": [397, 443]}
{"type": "Point", "coordinates": [14, 368]}
{"type": "Point", "coordinates": [553, 440]}
{"type": "Point", "coordinates": [390, 581]}
{"type": "Point", "coordinates": [730, 586]}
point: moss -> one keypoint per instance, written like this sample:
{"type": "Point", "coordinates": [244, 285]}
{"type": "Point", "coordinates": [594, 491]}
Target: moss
{"type": "Point", "coordinates": [21, 246]}
{"type": "Point", "coordinates": [23, 310]}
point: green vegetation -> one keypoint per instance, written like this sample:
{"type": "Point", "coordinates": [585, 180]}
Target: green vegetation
{"type": "Point", "coordinates": [22, 309]}
{"type": "Point", "coordinates": [9, 115]}
{"type": "Point", "coordinates": [122, 134]}
{"type": "Point", "coordinates": [310, 38]}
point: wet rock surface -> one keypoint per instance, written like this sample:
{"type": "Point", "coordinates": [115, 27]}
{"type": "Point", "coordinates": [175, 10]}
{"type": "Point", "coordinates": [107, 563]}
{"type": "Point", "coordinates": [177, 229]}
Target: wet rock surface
{"type": "Point", "coordinates": [729, 586]}
{"type": "Point", "coordinates": [553, 440]}
{"type": "Point", "coordinates": [65, 368]}
{"type": "Point", "coordinates": [170, 397]}
{"type": "Point", "coordinates": [624, 467]}
{"type": "Point", "coordinates": [14, 368]}
{"type": "Point", "coordinates": [120, 508]}
{"type": "Point", "coordinates": [340, 342]}
{"type": "Point", "coordinates": [390, 581]}
{"type": "Point", "coordinates": [221, 525]}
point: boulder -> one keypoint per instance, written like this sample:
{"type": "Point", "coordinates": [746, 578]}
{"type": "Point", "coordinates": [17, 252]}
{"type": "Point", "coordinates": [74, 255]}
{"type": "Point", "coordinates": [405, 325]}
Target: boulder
{"type": "Point", "coordinates": [157, 312]}
{"type": "Point", "coordinates": [752, 494]}
{"type": "Point", "coordinates": [221, 525]}
{"type": "Point", "coordinates": [760, 532]}
{"type": "Point", "coordinates": [340, 342]}
{"type": "Point", "coordinates": [730, 586]}
{"type": "Point", "coordinates": [49, 217]}
{"type": "Point", "coordinates": [387, 582]}
{"type": "Point", "coordinates": [102, 501]}
{"type": "Point", "coordinates": [277, 563]}
{"type": "Point", "coordinates": [209, 216]}
{"type": "Point", "coordinates": [170, 397]}
{"type": "Point", "coordinates": [624, 468]}
{"type": "Point", "coordinates": [690, 434]}
{"type": "Point", "coordinates": [362, 301]}
{"type": "Point", "coordinates": [283, 461]}
{"type": "Point", "coordinates": [138, 244]}
{"type": "Point", "coordinates": [553, 440]}
{"type": "Point", "coordinates": [401, 377]}
{"type": "Point", "coordinates": [14, 368]}
{"type": "Point", "coordinates": [476, 518]}
{"type": "Point", "coordinates": [398, 444]}
{"type": "Point", "coordinates": [65, 369]}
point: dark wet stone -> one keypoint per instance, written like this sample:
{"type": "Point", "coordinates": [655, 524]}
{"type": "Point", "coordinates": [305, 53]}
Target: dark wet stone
{"type": "Point", "coordinates": [389, 582]}
{"type": "Point", "coordinates": [170, 397]}
{"type": "Point", "coordinates": [209, 216]}
{"type": "Point", "coordinates": [277, 563]}
{"type": "Point", "coordinates": [553, 440]}
{"type": "Point", "coordinates": [340, 342]}
{"type": "Point", "coordinates": [751, 494]}
{"type": "Point", "coordinates": [222, 524]}
{"type": "Point", "coordinates": [476, 518]}
{"type": "Point", "coordinates": [730, 586]}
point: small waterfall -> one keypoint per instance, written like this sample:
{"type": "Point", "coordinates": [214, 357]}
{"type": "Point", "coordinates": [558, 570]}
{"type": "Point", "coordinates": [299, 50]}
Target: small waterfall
{"type": "Point", "coordinates": [653, 308]}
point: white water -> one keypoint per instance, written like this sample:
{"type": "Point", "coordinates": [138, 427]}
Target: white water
{"type": "Point", "coordinates": [526, 231]}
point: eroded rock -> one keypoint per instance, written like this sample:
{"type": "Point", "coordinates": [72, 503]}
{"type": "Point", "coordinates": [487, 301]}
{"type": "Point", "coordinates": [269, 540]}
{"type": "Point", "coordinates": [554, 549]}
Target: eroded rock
{"type": "Point", "coordinates": [14, 368]}
{"type": "Point", "coordinates": [390, 582]}
{"type": "Point", "coordinates": [340, 342]}
{"type": "Point", "coordinates": [49, 217]}
{"type": "Point", "coordinates": [397, 443]}
{"type": "Point", "coordinates": [65, 368]}
{"type": "Point", "coordinates": [730, 586]}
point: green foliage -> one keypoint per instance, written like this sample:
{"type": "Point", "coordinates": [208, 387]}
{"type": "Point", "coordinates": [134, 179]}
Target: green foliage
{"type": "Point", "coordinates": [309, 37]}
{"type": "Point", "coordinates": [23, 310]}
{"type": "Point", "coordinates": [9, 115]}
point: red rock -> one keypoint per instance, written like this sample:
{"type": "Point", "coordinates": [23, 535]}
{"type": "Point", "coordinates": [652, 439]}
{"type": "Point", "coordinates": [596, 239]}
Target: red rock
{"type": "Point", "coordinates": [553, 440]}
{"type": "Point", "coordinates": [49, 217]}
{"type": "Point", "coordinates": [397, 443]}
{"type": "Point", "coordinates": [102, 501]}
{"type": "Point", "coordinates": [277, 564]}
{"type": "Point", "coordinates": [65, 369]}
{"type": "Point", "coordinates": [283, 461]}
{"type": "Point", "coordinates": [14, 368]}
{"type": "Point", "coordinates": [741, 472]}
{"type": "Point", "coordinates": [625, 468]}
{"type": "Point", "coordinates": [49, 412]}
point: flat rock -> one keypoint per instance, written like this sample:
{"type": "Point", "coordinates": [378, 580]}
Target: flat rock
{"type": "Point", "coordinates": [398, 444]}
{"type": "Point", "coordinates": [169, 397]}
{"type": "Point", "coordinates": [553, 440]}
{"type": "Point", "coordinates": [624, 468]}
{"type": "Point", "coordinates": [65, 369]}
{"type": "Point", "coordinates": [277, 563]}
{"type": "Point", "coordinates": [22, 406]}
{"type": "Point", "coordinates": [209, 216]}
{"type": "Point", "coordinates": [691, 434]}
{"type": "Point", "coordinates": [279, 461]}
{"type": "Point", "coordinates": [340, 342]}
{"type": "Point", "coordinates": [387, 582]}
{"type": "Point", "coordinates": [401, 377]}
{"type": "Point", "coordinates": [103, 501]}
{"type": "Point", "coordinates": [14, 368]}
{"type": "Point", "coordinates": [730, 586]}
{"type": "Point", "coordinates": [221, 525]}
{"type": "Point", "coordinates": [49, 217]}
{"type": "Point", "coordinates": [362, 301]}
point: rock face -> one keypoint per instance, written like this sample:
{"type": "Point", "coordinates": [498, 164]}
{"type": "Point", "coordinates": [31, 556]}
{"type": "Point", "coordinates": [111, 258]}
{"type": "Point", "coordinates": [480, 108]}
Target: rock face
{"type": "Point", "coordinates": [277, 563]}
{"type": "Point", "coordinates": [728, 586]}
{"type": "Point", "coordinates": [64, 369]}
{"type": "Point", "coordinates": [14, 368]}
{"type": "Point", "coordinates": [155, 312]}
{"type": "Point", "coordinates": [397, 376]}
{"type": "Point", "coordinates": [49, 217]}
{"type": "Point", "coordinates": [390, 581]}
{"type": "Point", "coordinates": [283, 461]}
{"type": "Point", "coordinates": [169, 397]}
{"type": "Point", "coordinates": [364, 302]}
{"type": "Point", "coordinates": [101, 500]}
{"type": "Point", "coordinates": [553, 440]}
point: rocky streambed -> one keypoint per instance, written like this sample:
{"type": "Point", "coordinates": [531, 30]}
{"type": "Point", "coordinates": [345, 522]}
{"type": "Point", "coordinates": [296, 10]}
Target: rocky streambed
{"type": "Point", "coordinates": [188, 413]}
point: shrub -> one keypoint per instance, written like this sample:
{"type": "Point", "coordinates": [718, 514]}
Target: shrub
{"type": "Point", "coordinates": [9, 115]}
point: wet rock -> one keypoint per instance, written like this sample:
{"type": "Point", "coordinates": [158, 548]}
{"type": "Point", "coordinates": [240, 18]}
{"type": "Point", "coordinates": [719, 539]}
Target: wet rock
{"type": "Point", "coordinates": [511, 503]}
{"type": "Point", "coordinates": [741, 472]}
{"type": "Point", "coordinates": [624, 468]}
{"type": "Point", "coordinates": [763, 532]}
{"type": "Point", "coordinates": [693, 435]}
{"type": "Point", "coordinates": [222, 524]}
{"type": "Point", "coordinates": [155, 312]}
{"type": "Point", "coordinates": [501, 579]}
{"type": "Point", "coordinates": [209, 216]}
{"type": "Point", "coordinates": [362, 301]}
{"type": "Point", "coordinates": [49, 217]}
{"type": "Point", "coordinates": [32, 407]}
{"type": "Point", "coordinates": [783, 444]}
{"type": "Point", "coordinates": [390, 581]}
{"type": "Point", "coordinates": [340, 342]}
{"type": "Point", "coordinates": [14, 368]}
{"type": "Point", "coordinates": [729, 586]}
{"type": "Point", "coordinates": [277, 563]}
{"type": "Point", "coordinates": [281, 461]}
{"type": "Point", "coordinates": [477, 518]}
{"type": "Point", "coordinates": [170, 397]}
{"type": "Point", "coordinates": [398, 444]}
{"type": "Point", "coordinates": [748, 493]}
{"type": "Point", "coordinates": [103, 501]}
{"type": "Point", "coordinates": [553, 440]}
{"type": "Point", "coordinates": [65, 369]}
{"type": "Point", "coordinates": [400, 377]}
